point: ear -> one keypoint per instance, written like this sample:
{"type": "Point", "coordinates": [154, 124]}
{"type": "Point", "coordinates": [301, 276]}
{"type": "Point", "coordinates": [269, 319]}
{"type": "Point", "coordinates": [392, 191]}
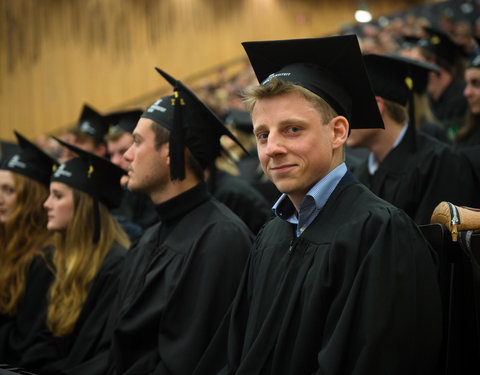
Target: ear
{"type": "Point", "coordinates": [380, 104]}
{"type": "Point", "coordinates": [166, 152]}
{"type": "Point", "coordinates": [340, 128]}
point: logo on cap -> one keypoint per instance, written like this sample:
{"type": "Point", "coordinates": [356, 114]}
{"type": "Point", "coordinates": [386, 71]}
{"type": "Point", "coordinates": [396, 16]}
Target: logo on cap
{"type": "Point", "coordinates": [476, 61]}
{"type": "Point", "coordinates": [87, 128]}
{"type": "Point", "coordinates": [15, 162]}
{"type": "Point", "coordinates": [273, 75]}
{"type": "Point", "coordinates": [62, 171]}
{"type": "Point", "coordinates": [156, 107]}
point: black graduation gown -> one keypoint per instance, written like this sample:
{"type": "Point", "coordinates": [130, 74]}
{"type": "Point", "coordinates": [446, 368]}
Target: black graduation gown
{"type": "Point", "coordinates": [451, 108]}
{"type": "Point", "coordinates": [181, 277]}
{"type": "Point", "coordinates": [249, 167]}
{"type": "Point", "coordinates": [135, 213]}
{"type": "Point", "coordinates": [52, 355]}
{"type": "Point", "coordinates": [420, 173]}
{"type": "Point", "coordinates": [434, 130]}
{"type": "Point", "coordinates": [241, 197]}
{"type": "Point", "coordinates": [356, 293]}
{"type": "Point", "coordinates": [18, 333]}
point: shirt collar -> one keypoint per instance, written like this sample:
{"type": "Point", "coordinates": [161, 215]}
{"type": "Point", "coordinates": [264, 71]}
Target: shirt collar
{"type": "Point", "coordinates": [318, 194]}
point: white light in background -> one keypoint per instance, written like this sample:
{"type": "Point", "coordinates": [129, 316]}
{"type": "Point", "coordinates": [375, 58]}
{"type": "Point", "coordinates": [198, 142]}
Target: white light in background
{"type": "Point", "coordinates": [363, 15]}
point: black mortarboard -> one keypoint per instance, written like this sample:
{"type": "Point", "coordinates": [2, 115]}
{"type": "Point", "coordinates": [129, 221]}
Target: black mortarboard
{"type": "Point", "coordinates": [92, 123]}
{"type": "Point", "coordinates": [240, 120]}
{"type": "Point", "coordinates": [125, 120]}
{"type": "Point", "coordinates": [442, 45]}
{"type": "Point", "coordinates": [191, 124]}
{"type": "Point", "coordinates": [396, 78]}
{"type": "Point", "coordinates": [330, 67]}
{"type": "Point", "coordinates": [7, 150]}
{"type": "Point", "coordinates": [409, 41]}
{"type": "Point", "coordinates": [92, 174]}
{"type": "Point", "coordinates": [29, 160]}
{"type": "Point", "coordinates": [475, 59]}
{"type": "Point", "coordinates": [95, 176]}
{"type": "Point", "coordinates": [393, 77]}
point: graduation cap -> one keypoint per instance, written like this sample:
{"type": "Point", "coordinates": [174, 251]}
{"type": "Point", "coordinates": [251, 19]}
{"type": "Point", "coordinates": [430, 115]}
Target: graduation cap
{"type": "Point", "coordinates": [7, 150]}
{"type": "Point", "coordinates": [442, 45]}
{"type": "Point", "coordinates": [92, 123]}
{"type": "Point", "coordinates": [240, 120]}
{"type": "Point", "coordinates": [330, 67]}
{"type": "Point", "coordinates": [95, 176]}
{"type": "Point", "coordinates": [191, 123]}
{"type": "Point", "coordinates": [125, 120]}
{"type": "Point", "coordinates": [396, 77]}
{"type": "Point", "coordinates": [28, 159]}
{"type": "Point", "coordinates": [409, 41]}
{"type": "Point", "coordinates": [475, 60]}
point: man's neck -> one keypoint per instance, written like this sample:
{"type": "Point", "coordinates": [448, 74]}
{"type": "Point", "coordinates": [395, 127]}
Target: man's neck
{"type": "Point", "coordinates": [172, 189]}
{"type": "Point", "coordinates": [386, 139]}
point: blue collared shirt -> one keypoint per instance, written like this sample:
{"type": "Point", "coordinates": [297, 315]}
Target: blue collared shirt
{"type": "Point", "coordinates": [373, 161]}
{"type": "Point", "coordinates": [311, 203]}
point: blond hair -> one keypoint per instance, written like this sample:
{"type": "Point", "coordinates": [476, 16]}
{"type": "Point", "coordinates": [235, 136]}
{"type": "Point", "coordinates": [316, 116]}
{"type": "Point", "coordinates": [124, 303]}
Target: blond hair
{"type": "Point", "coordinates": [77, 260]}
{"type": "Point", "coordinates": [278, 87]}
{"type": "Point", "coordinates": [22, 238]}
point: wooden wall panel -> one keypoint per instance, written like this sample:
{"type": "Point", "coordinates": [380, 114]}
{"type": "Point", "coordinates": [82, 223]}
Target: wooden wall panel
{"type": "Point", "coordinates": [56, 55]}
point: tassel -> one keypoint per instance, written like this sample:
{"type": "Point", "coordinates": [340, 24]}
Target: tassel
{"type": "Point", "coordinates": [411, 105]}
{"type": "Point", "coordinates": [177, 140]}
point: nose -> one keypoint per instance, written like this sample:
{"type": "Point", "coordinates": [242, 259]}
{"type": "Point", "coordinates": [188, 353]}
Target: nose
{"type": "Point", "coordinates": [128, 155]}
{"type": "Point", "coordinates": [46, 204]}
{"type": "Point", "coordinates": [467, 91]}
{"type": "Point", "coordinates": [275, 145]}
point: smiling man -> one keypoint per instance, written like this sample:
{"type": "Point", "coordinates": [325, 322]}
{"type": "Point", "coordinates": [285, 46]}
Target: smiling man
{"type": "Point", "coordinates": [340, 282]}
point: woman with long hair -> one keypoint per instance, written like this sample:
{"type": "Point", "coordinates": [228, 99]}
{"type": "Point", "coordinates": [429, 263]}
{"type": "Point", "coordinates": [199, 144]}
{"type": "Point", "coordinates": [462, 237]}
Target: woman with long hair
{"type": "Point", "coordinates": [469, 134]}
{"type": "Point", "coordinates": [25, 246]}
{"type": "Point", "coordinates": [90, 246]}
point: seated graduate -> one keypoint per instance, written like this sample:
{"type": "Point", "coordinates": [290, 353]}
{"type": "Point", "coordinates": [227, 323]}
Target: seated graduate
{"type": "Point", "coordinates": [406, 167]}
{"type": "Point", "coordinates": [445, 89]}
{"type": "Point", "coordinates": [467, 140]}
{"type": "Point", "coordinates": [183, 272]}
{"type": "Point", "coordinates": [425, 120]}
{"type": "Point", "coordinates": [90, 249]}
{"type": "Point", "coordinates": [340, 281]}
{"type": "Point", "coordinates": [136, 211]}
{"type": "Point", "coordinates": [469, 135]}
{"type": "Point", "coordinates": [26, 271]}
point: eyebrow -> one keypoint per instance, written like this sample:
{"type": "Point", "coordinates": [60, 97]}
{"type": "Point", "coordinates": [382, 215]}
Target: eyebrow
{"type": "Point", "coordinates": [290, 121]}
{"type": "Point", "coordinates": [259, 128]}
{"type": "Point", "coordinates": [137, 137]}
